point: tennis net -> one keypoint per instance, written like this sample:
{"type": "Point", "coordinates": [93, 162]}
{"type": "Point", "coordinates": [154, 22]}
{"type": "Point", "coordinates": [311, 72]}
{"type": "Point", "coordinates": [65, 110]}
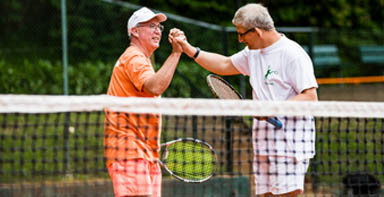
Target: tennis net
{"type": "Point", "coordinates": [54, 145]}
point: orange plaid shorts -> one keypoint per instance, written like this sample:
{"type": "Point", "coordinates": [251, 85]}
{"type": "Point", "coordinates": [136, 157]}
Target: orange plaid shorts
{"type": "Point", "coordinates": [135, 177]}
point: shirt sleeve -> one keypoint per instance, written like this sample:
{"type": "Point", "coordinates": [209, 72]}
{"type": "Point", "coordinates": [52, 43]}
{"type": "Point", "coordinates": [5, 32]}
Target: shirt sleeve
{"type": "Point", "coordinates": [138, 70]}
{"type": "Point", "coordinates": [301, 74]}
{"type": "Point", "coordinates": [240, 61]}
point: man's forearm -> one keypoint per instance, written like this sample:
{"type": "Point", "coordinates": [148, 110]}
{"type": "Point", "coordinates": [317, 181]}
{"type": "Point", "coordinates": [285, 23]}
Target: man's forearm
{"type": "Point", "coordinates": [306, 95]}
{"type": "Point", "coordinates": [160, 81]}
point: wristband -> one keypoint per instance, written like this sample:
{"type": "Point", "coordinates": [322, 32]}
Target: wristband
{"type": "Point", "coordinates": [197, 53]}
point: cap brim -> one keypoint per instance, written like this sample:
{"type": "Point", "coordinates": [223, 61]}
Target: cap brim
{"type": "Point", "coordinates": [161, 17]}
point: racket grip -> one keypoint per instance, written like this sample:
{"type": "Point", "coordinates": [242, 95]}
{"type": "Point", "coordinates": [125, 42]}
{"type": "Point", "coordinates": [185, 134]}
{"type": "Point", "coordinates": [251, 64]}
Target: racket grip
{"type": "Point", "coordinates": [276, 122]}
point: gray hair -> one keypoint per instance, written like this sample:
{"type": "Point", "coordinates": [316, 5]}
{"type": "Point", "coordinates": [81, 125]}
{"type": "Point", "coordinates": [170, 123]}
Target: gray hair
{"type": "Point", "coordinates": [253, 15]}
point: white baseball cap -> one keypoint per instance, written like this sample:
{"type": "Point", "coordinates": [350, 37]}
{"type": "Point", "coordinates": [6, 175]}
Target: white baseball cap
{"type": "Point", "coordinates": [142, 15]}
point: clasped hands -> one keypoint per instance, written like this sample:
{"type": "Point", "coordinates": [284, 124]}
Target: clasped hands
{"type": "Point", "coordinates": [177, 39]}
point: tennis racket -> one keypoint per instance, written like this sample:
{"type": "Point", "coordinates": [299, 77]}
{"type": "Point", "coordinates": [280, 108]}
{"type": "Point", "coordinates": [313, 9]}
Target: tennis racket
{"type": "Point", "coordinates": [223, 90]}
{"type": "Point", "coordinates": [188, 160]}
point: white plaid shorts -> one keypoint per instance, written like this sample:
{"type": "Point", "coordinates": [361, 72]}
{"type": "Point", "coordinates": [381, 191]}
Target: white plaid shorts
{"type": "Point", "coordinates": [278, 174]}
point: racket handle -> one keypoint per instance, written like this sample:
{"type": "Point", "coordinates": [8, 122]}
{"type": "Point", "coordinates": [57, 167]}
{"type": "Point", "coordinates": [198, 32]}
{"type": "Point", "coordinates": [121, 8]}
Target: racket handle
{"type": "Point", "coordinates": [276, 122]}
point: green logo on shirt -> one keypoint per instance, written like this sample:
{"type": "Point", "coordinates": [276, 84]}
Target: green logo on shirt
{"type": "Point", "coordinates": [267, 74]}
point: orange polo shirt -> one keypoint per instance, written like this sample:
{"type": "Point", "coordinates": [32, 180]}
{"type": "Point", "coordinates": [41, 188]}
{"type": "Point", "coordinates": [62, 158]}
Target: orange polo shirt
{"type": "Point", "coordinates": [128, 135]}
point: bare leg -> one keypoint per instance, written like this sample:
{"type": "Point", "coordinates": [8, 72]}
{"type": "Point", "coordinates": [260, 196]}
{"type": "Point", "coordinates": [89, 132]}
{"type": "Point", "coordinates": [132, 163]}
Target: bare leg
{"type": "Point", "coordinates": [290, 194]}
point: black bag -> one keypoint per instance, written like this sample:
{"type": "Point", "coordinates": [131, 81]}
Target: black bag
{"type": "Point", "coordinates": [361, 183]}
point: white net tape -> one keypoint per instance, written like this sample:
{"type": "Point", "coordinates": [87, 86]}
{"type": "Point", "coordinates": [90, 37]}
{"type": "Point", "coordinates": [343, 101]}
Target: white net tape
{"type": "Point", "coordinates": [181, 106]}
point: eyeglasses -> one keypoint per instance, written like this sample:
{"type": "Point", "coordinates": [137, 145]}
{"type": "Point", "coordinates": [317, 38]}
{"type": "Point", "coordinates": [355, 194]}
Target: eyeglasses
{"type": "Point", "coordinates": [243, 34]}
{"type": "Point", "coordinates": [152, 26]}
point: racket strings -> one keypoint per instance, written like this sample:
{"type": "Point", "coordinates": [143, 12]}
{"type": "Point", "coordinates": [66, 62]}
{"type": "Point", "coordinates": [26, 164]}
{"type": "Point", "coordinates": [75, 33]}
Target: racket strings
{"type": "Point", "coordinates": [222, 90]}
{"type": "Point", "coordinates": [190, 160]}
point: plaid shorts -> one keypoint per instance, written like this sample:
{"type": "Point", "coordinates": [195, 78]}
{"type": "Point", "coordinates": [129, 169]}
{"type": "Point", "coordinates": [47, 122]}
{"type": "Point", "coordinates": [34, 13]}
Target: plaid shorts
{"type": "Point", "coordinates": [135, 177]}
{"type": "Point", "coordinates": [278, 174]}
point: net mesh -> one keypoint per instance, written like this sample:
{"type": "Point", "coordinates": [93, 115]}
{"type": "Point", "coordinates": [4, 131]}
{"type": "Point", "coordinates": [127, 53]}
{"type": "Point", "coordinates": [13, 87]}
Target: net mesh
{"type": "Point", "coordinates": [54, 145]}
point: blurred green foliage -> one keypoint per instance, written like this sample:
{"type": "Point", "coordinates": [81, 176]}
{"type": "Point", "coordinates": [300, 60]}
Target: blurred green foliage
{"type": "Point", "coordinates": [327, 14]}
{"type": "Point", "coordinates": [45, 77]}
{"type": "Point", "coordinates": [31, 43]}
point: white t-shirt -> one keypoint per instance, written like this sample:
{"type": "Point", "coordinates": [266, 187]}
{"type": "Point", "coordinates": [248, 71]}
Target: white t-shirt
{"type": "Point", "coordinates": [280, 72]}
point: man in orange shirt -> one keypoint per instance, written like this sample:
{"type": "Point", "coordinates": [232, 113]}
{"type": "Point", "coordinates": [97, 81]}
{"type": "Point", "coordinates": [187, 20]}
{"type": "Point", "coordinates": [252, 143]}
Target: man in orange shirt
{"type": "Point", "coordinates": [132, 141]}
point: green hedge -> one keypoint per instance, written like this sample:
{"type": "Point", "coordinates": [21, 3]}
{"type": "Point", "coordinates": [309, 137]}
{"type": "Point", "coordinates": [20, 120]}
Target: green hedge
{"type": "Point", "coordinates": [46, 77]}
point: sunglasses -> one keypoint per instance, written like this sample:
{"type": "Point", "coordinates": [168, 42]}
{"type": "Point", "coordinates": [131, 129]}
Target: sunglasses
{"type": "Point", "coordinates": [244, 33]}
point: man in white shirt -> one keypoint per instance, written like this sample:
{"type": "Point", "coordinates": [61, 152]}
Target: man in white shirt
{"type": "Point", "coordinates": [278, 69]}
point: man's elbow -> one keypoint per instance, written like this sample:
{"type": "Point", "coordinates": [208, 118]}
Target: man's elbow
{"type": "Point", "coordinates": [312, 95]}
{"type": "Point", "coordinates": [153, 91]}
{"type": "Point", "coordinates": [154, 88]}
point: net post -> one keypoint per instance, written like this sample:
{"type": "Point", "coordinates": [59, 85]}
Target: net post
{"type": "Point", "coordinates": [67, 156]}
{"type": "Point", "coordinates": [194, 127]}
{"type": "Point", "coordinates": [194, 118]}
{"type": "Point", "coordinates": [65, 82]}
{"type": "Point", "coordinates": [225, 40]}
{"type": "Point", "coordinates": [65, 45]}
